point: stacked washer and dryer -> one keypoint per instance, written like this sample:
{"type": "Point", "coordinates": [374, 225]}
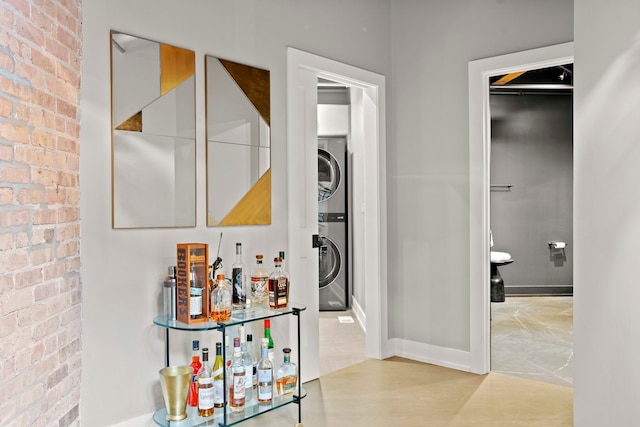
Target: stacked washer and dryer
{"type": "Point", "coordinates": [332, 223]}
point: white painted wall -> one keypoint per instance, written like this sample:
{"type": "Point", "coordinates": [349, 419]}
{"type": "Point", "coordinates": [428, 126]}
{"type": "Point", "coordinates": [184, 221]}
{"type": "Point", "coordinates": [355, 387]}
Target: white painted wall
{"type": "Point", "coordinates": [122, 270]}
{"type": "Point", "coordinates": [607, 212]}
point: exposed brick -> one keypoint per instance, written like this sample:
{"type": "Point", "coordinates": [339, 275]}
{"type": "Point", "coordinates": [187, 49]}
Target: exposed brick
{"type": "Point", "coordinates": [42, 235]}
{"type": "Point", "coordinates": [41, 256]}
{"type": "Point", "coordinates": [30, 32]}
{"type": "Point", "coordinates": [14, 218]}
{"type": "Point", "coordinates": [21, 6]}
{"type": "Point", "coordinates": [22, 239]}
{"type": "Point", "coordinates": [14, 133]}
{"type": "Point", "coordinates": [43, 21]}
{"type": "Point", "coordinates": [6, 196]}
{"type": "Point", "coordinates": [73, 196]}
{"type": "Point", "coordinates": [8, 409]}
{"type": "Point", "coordinates": [30, 395]}
{"type": "Point", "coordinates": [6, 63]}
{"type": "Point", "coordinates": [43, 139]}
{"type": "Point", "coordinates": [28, 317]}
{"type": "Point", "coordinates": [57, 376]}
{"type": "Point", "coordinates": [44, 216]}
{"type": "Point", "coordinates": [67, 249]}
{"type": "Point", "coordinates": [68, 145]}
{"type": "Point", "coordinates": [8, 324]}
{"type": "Point", "coordinates": [28, 72]}
{"type": "Point", "coordinates": [67, 232]}
{"type": "Point", "coordinates": [18, 89]}
{"type": "Point", "coordinates": [67, 215]}
{"type": "Point", "coordinates": [25, 279]}
{"type": "Point", "coordinates": [56, 196]}
{"type": "Point", "coordinates": [73, 162]}
{"type": "Point", "coordinates": [68, 74]}
{"type": "Point", "coordinates": [45, 328]}
{"type": "Point", "coordinates": [32, 114]}
{"type": "Point", "coordinates": [45, 290]}
{"type": "Point", "coordinates": [66, 109]}
{"type": "Point", "coordinates": [6, 283]}
{"type": "Point", "coordinates": [44, 177]}
{"type": "Point", "coordinates": [70, 315]}
{"type": "Point", "coordinates": [36, 352]}
{"type": "Point", "coordinates": [69, 350]}
{"type": "Point", "coordinates": [30, 196]}
{"type": "Point", "coordinates": [6, 154]}
{"type": "Point", "coordinates": [15, 301]}
{"type": "Point", "coordinates": [6, 107]}
{"type": "Point", "coordinates": [43, 99]}
{"type": "Point", "coordinates": [13, 260]}
{"type": "Point", "coordinates": [17, 175]}
{"type": "Point", "coordinates": [68, 419]}
{"type": "Point", "coordinates": [6, 17]}
{"type": "Point", "coordinates": [6, 243]}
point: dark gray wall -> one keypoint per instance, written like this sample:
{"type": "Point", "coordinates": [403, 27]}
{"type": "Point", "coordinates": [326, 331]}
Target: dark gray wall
{"type": "Point", "coordinates": [532, 149]}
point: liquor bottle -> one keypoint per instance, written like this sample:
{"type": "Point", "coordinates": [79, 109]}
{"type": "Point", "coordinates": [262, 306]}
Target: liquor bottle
{"type": "Point", "coordinates": [239, 280]}
{"type": "Point", "coordinates": [220, 300]}
{"type": "Point", "coordinates": [278, 286]}
{"type": "Point", "coordinates": [205, 387]}
{"type": "Point", "coordinates": [236, 392]}
{"type": "Point", "coordinates": [267, 335]}
{"type": "Point", "coordinates": [265, 375]}
{"type": "Point", "coordinates": [196, 365]}
{"type": "Point", "coordinates": [195, 295]}
{"type": "Point", "coordinates": [286, 375]}
{"type": "Point", "coordinates": [248, 367]}
{"type": "Point", "coordinates": [259, 282]}
{"type": "Point", "coordinates": [218, 378]}
{"type": "Point", "coordinates": [252, 352]}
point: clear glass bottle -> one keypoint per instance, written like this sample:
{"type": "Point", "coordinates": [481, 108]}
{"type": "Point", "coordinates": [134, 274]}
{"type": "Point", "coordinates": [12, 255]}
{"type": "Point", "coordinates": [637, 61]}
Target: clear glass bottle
{"type": "Point", "coordinates": [265, 375]}
{"type": "Point", "coordinates": [221, 300]}
{"type": "Point", "coordinates": [259, 282]}
{"type": "Point", "coordinates": [253, 353]}
{"type": "Point", "coordinates": [218, 378]}
{"type": "Point", "coordinates": [239, 280]}
{"type": "Point", "coordinates": [236, 391]}
{"type": "Point", "coordinates": [287, 374]}
{"type": "Point", "coordinates": [195, 295]}
{"type": "Point", "coordinates": [278, 286]}
{"type": "Point", "coordinates": [196, 365]}
{"type": "Point", "coordinates": [248, 367]}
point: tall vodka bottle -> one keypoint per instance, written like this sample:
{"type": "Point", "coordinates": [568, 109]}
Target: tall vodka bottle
{"type": "Point", "coordinates": [239, 280]}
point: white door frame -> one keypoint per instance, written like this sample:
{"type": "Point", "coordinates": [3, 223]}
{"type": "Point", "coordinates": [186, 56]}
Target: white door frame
{"type": "Point", "coordinates": [479, 163]}
{"type": "Point", "coordinates": [303, 70]}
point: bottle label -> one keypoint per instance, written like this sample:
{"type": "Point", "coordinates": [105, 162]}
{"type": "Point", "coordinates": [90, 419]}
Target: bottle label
{"type": "Point", "coordinates": [218, 392]}
{"type": "Point", "coordinates": [195, 305]}
{"type": "Point", "coordinates": [265, 376]}
{"type": "Point", "coordinates": [205, 397]}
{"type": "Point", "coordinates": [239, 295]}
{"type": "Point", "coordinates": [248, 377]}
{"type": "Point", "coordinates": [238, 386]}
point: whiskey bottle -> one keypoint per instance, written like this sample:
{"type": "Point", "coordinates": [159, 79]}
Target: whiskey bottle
{"type": "Point", "coordinates": [286, 375]}
{"type": "Point", "coordinates": [220, 300]}
{"type": "Point", "coordinates": [278, 286]}
{"type": "Point", "coordinates": [239, 280]}
{"type": "Point", "coordinates": [259, 282]}
{"type": "Point", "coordinates": [236, 391]}
{"type": "Point", "coordinates": [195, 295]}
{"type": "Point", "coordinates": [265, 375]}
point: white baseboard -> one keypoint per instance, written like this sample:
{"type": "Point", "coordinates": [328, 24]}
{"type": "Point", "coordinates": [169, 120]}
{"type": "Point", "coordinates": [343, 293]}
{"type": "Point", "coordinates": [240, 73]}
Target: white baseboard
{"type": "Point", "coordinates": [441, 356]}
{"type": "Point", "coordinates": [359, 313]}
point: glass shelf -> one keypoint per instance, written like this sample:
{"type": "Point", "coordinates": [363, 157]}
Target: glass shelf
{"type": "Point", "coordinates": [238, 317]}
{"type": "Point", "coordinates": [217, 419]}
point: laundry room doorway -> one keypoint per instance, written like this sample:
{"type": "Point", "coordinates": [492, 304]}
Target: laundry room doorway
{"type": "Point", "coordinates": [367, 91]}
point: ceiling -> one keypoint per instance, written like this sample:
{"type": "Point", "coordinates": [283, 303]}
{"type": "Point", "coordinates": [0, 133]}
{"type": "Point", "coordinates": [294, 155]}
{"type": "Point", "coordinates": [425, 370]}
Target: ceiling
{"type": "Point", "coordinates": [557, 79]}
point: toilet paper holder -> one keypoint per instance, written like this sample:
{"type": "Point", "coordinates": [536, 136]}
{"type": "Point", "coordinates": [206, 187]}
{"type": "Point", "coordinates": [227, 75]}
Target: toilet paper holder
{"type": "Point", "coordinates": [557, 246]}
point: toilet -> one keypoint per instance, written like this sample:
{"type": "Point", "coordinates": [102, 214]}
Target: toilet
{"type": "Point", "coordinates": [498, 259]}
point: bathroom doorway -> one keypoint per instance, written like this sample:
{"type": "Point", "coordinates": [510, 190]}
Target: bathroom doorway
{"type": "Point", "coordinates": [480, 73]}
{"type": "Point", "coordinates": [531, 223]}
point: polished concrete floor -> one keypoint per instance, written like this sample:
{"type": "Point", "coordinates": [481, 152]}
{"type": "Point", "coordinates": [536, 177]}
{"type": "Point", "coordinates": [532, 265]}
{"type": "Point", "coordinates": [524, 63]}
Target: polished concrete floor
{"type": "Point", "coordinates": [532, 337]}
{"type": "Point", "coordinates": [400, 392]}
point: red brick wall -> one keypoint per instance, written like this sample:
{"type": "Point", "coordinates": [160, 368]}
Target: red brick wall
{"type": "Point", "coordinates": [40, 295]}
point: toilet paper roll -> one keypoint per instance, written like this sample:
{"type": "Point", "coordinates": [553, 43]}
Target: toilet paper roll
{"type": "Point", "coordinates": [558, 245]}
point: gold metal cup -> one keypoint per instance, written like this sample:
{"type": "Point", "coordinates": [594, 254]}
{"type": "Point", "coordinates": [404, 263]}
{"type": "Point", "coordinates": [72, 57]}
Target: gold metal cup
{"type": "Point", "coordinates": [175, 381]}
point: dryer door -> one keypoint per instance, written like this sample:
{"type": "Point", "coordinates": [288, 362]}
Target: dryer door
{"type": "Point", "coordinates": [330, 262]}
{"type": "Point", "coordinates": [328, 175]}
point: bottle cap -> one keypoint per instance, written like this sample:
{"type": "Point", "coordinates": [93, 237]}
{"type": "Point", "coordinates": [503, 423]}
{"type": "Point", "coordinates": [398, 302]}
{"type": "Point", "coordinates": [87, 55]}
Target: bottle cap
{"type": "Point", "coordinates": [236, 342]}
{"type": "Point", "coordinates": [249, 337]}
{"type": "Point", "coordinates": [286, 350]}
{"type": "Point", "coordinates": [195, 345]}
{"type": "Point", "coordinates": [196, 291]}
{"type": "Point", "coordinates": [259, 257]}
{"type": "Point", "coordinates": [267, 323]}
{"type": "Point", "coordinates": [220, 276]}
